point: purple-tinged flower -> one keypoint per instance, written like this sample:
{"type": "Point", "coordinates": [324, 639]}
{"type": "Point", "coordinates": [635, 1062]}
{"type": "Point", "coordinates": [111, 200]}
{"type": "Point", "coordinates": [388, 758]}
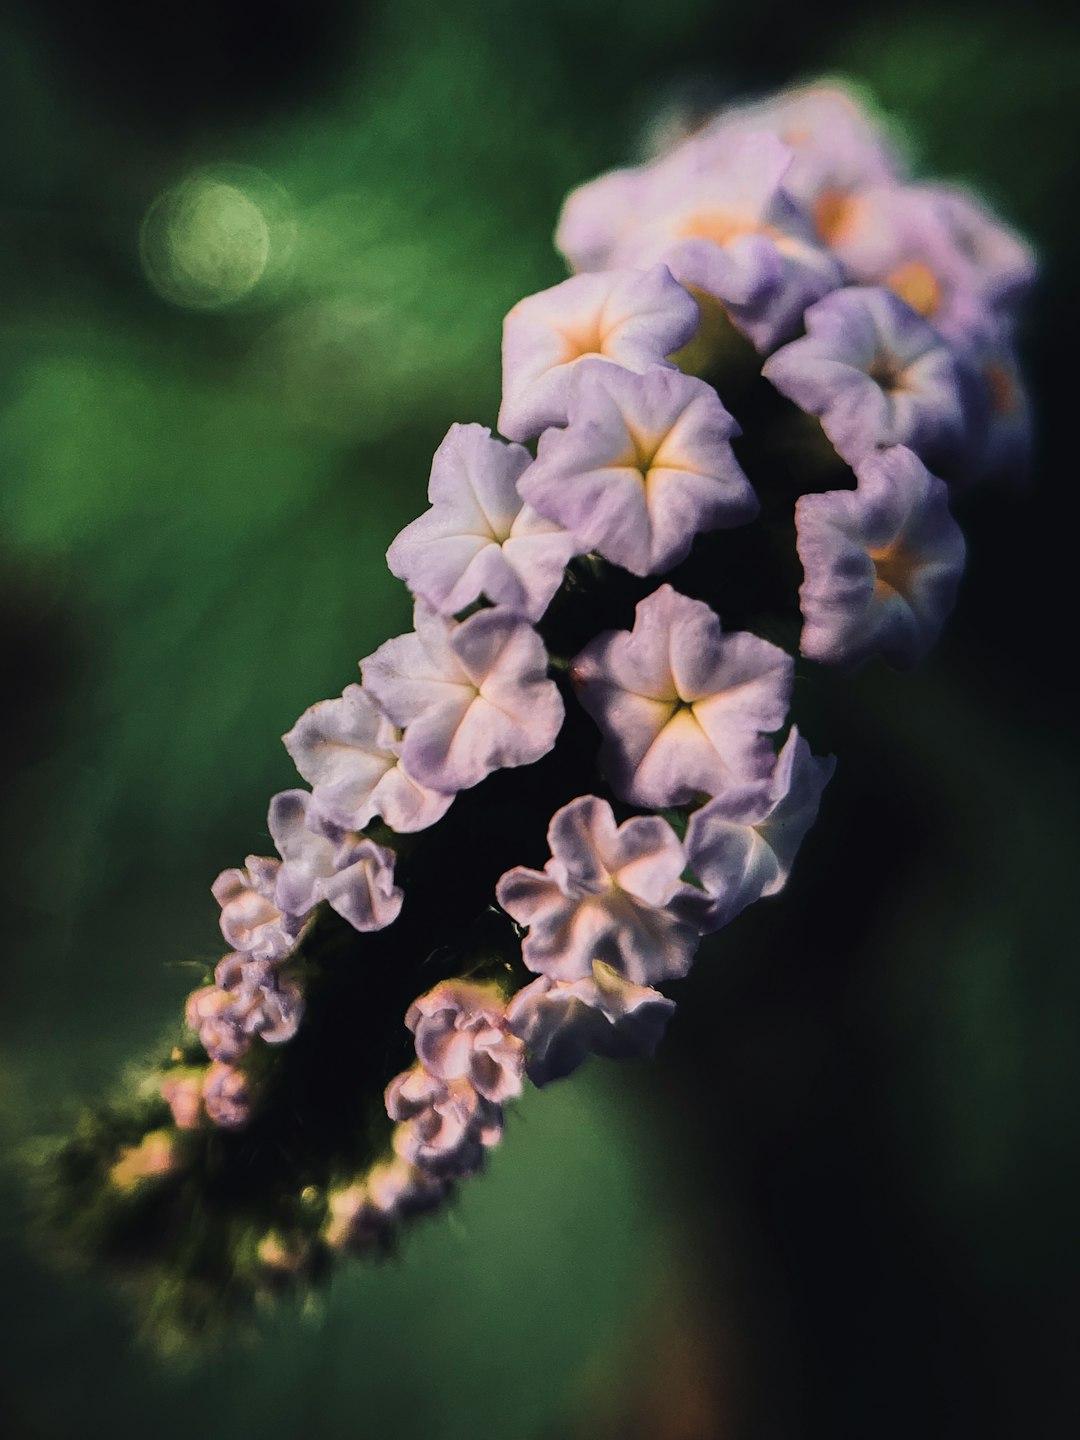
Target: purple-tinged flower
{"type": "Point", "coordinates": [882, 563]}
{"type": "Point", "coordinates": [643, 466]}
{"type": "Point", "coordinates": [251, 918]}
{"type": "Point", "coordinates": [479, 538]}
{"type": "Point", "coordinates": [683, 708]}
{"type": "Point", "coordinates": [716, 212]}
{"type": "Point", "coordinates": [720, 216]}
{"type": "Point", "coordinates": [878, 374]}
{"type": "Point", "coordinates": [837, 149]}
{"type": "Point", "coordinates": [181, 1089]}
{"type": "Point", "coordinates": [941, 251]}
{"type": "Point", "coordinates": [461, 1034]}
{"type": "Point", "coordinates": [473, 696]}
{"type": "Point", "coordinates": [563, 1022]}
{"type": "Point", "coordinates": [227, 1096]}
{"type": "Point", "coordinates": [350, 754]}
{"type": "Point", "coordinates": [630, 318]}
{"type": "Point", "coordinates": [218, 1021]}
{"type": "Point", "coordinates": [265, 1002]}
{"type": "Point", "coordinates": [353, 874]}
{"type": "Point", "coordinates": [597, 216]}
{"type": "Point", "coordinates": [742, 845]}
{"type": "Point", "coordinates": [608, 893]}
{"type": "Point", "coordinates": [444, 1126]}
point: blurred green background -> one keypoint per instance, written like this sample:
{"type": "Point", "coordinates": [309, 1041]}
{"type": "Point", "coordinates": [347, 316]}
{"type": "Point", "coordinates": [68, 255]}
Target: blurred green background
{"type": "Point", "coordinates": [843, 1203]}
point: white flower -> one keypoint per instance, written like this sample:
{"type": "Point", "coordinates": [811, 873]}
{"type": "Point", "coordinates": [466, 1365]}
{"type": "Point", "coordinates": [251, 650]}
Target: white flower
{"type": "Point", "coordinates": [479, 537]}
{"type": "Point", "coordinates": [683, 708]}
{"type": "Point", "coordinates": [742, 845]}
{"type": "Point", "coordinates": [473, 697]}
{"type": "Point", "coordinates": [349, 752]}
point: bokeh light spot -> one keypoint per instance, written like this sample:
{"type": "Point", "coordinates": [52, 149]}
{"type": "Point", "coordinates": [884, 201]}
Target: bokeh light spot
{"type": "Point", "coordinates": [207, 242]}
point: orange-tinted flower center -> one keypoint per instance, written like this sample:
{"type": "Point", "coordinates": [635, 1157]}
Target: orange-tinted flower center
{"type": "Point", "coordinates": [894, 567]}
{"type": "Point", "coordinates": [587, 338]}
{"type": "Point", "coordinates": [835, 213]}
{"type": "Point", "coordinates": [722, 227]}
{"type": "Point", "coordinates": [916, 283]}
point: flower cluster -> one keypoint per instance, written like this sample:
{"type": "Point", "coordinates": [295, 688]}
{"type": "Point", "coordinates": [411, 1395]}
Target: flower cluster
{"type": "Point", "coordinates": [795, 215]}
{"type": "Point", "coordinates": [656, 752]}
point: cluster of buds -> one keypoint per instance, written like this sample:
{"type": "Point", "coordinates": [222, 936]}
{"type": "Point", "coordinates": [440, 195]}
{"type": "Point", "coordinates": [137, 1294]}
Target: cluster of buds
{"type": "Point", "coordinates": [568, 672]}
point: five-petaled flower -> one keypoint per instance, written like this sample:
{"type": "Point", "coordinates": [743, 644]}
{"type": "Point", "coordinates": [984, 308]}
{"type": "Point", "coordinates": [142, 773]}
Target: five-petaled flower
{"type": "Point", "coordinates": [742, 845]}
{"type": "Point", "coordinates": [683, 708]}
{"type": "Point", "coordinates": [878, 374]}
{"type": "Point", "coordinates": [473, 696]}
{"type": "Point", "coordinates": [349, 752]}
{"type": "Point", "coordinates": [630, 318]}
{"type": "Point", "coordinates": [479, 538]}
{"type": "Point", "coordinates": [882, 563]}
{"type": "Point", "coordinates": [644, 464]}
{"type": "Point", "coordinates": [353, 874]}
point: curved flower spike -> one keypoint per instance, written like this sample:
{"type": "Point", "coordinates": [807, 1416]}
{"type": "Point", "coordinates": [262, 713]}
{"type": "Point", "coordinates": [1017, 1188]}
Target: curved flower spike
{"type": "Point", "coordinates": [631, 318]}
{"type": "Point", "coordinates": [474, 696]}
{"type": "Point", "coordinates": [479, 538]}
{"type": "Point", "coordinates": [322, 862]}
{"type": "Point", "coordinates": [877, 374]}
{"type": "Point", "coordinates": [563, 1022]}
{"type": "Point", "coordinates": [644, 464]}
{"type": "Point", "coordinates": [742, 845]}
{"type": "Point", "coordinates": [608, 893]}
{"type": "Point", "coordinates": [882, 563]}
{"type": "Point", "coordinates": [251, 918]}
{"type": "Point", "coordinates": [444, 1125]}
{"type": "Point", "coordinates": [683, 708]}
{"type": "Point", "coordinates": [461, 1034]}
{"type": "Point", "coordinates": [350, 753]}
